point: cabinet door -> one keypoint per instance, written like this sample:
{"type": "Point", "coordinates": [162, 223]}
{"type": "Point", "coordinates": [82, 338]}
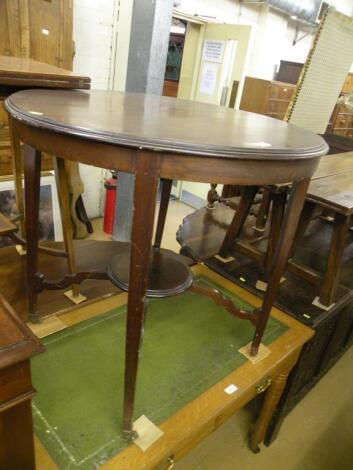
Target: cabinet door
{"type": "Point", "coordinates": [12, 36]}
{"type": "Point", "coordinates": [50, 30]}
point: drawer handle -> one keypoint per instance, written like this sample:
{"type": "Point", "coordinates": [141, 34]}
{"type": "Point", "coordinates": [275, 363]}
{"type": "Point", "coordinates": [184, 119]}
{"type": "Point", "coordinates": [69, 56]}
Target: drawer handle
{"type": "Point", "coordinates": [167, 465]}
{"type": "Point", "coordinates": [260, 388]}
{"type": "Point", "coordinates": [171, 462]}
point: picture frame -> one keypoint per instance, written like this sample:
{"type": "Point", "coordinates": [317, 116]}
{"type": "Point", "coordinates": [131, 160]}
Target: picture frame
{"type": "Point", "coordinates": [50, 226]}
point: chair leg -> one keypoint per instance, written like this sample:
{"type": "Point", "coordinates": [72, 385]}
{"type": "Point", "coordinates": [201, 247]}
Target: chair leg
{"type": "Point", "coordinates": [163, 209]}
{"type": "Point", "coordinates": [141, 241]}
{"type": "Point", "coordinates": [291, 218]}
{"type": "Point", "coordinates": [337, 245]}
{"type": "Point", "coordinates": [233, 232]}
{"type": "Point", "coordinates": [32, 164]}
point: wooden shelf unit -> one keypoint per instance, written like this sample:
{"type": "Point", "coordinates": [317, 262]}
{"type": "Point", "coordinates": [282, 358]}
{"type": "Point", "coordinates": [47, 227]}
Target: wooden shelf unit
{"type": "Point", "coordinates": [267, 97]}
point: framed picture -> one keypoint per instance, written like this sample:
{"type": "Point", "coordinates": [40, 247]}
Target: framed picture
{"type": "Point", "coordinates": [50, 227]}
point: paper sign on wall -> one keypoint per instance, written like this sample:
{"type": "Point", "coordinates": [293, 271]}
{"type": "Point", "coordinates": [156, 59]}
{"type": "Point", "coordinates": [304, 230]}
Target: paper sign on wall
{"type": "Point", "coordinates": [213, 51]}
{"type": "Point", "coordinates": [208, 78]}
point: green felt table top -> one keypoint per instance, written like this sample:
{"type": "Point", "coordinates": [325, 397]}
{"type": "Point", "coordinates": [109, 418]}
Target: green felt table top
{"type": "Point", "coordinates": [189, 345]}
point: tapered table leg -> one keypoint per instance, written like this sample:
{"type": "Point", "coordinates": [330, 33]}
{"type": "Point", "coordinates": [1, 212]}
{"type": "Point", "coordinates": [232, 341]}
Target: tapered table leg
{"type": "Point", "coordinates": [146, 176]}
{"type": "Point", "coordinates": [62, 182]}
{"type": "Point", "coordinates": [291, 218]}
{"type": "Point", "coordinates": [163, 209]}
{"type": "Point", "coordinates": [32, 163]}
{"type": "Point", "coordinates": [278, 208]}
{"type": "Point", "coordinates": [247, 197]}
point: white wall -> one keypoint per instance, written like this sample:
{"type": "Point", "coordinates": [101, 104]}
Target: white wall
{"type": "Point", "coordinates": [273, 31]}
{"type": "Point", "coordinates": [93, 35]}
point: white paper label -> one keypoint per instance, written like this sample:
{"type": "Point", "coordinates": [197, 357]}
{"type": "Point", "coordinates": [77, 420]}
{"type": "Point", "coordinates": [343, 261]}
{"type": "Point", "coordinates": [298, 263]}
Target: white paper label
{"type": "Point", "coordinates": [231, 389]}
{"type": "Point", "coordinates": [45, 32]}
{"type": "Point", "coordinates": [208, 78]}
{"type": "Point", "coordinates": [213, 51]}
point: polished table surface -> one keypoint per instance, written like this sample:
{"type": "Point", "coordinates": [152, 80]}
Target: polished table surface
{"type": "Point", "coordinates": [159, 138]}
{"type": "Point", "coordinates": [165, 124]}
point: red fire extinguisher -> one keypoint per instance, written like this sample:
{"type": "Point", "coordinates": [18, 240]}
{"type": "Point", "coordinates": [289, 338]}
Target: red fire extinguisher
{"type": "Point", "coordinates": [110, 199]}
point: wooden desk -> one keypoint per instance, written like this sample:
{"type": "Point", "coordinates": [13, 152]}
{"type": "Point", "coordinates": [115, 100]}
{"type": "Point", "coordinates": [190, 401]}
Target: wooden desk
{"type": "Point", "coordinates": [204, 414]}
{"type": "Point", "coordinates": [159, 138]}
{"type": "Point", "coordinates": [17, 346]}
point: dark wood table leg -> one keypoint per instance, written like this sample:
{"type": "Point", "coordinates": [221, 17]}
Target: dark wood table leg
{"type": "Point", "coordinates": [247, 197]}
{"type": "Point", "coordinates": [273, 395]}
{"type": "Point", "coordinates": [277, 215]}
{"type": "Point", "coordinates": [32, 164]}
{"type": "Point", "coordinates": [291, 218]}
{"type": "Point", "coordinates": [334, 262]}
{"type": "Point", "coordinates": [63, 185]}
{"type": "Point", "coordinates": [146, 176]}
{"type": "Point", "coordinates": [163, 208]}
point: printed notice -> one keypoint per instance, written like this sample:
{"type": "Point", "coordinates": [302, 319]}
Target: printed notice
{"type": "Point", "coordinates": [208, 78]}
{"type": "Point", "coordinates": [213, 51]}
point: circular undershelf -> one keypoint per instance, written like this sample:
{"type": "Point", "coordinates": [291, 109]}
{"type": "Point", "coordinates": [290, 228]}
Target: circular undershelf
{"type": "Point", "coordinates": [169, 274]}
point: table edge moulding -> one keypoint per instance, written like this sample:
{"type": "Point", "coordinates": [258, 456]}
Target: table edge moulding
{"type": "Point", "coordinates": [159, 138]}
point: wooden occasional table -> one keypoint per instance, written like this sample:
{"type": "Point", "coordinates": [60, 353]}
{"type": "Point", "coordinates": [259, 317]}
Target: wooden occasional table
{"type": "Point", "coordinates": [160, 138]}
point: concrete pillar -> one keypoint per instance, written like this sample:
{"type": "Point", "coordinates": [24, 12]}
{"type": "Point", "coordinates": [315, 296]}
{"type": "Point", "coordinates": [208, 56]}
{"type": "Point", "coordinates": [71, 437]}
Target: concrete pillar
{"type": "Point", "coordinates": [149, 38]}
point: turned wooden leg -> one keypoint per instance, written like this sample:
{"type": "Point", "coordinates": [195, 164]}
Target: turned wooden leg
{"type": "Point", "coordinates": [334, 262]}
{"type": "Point", "coordinates": [212, 196]}
{"type": "Point", "coordinates": [273, 395]}
{"type": "Point", "coordinates": [17, 168]}
{"type": "Point", "coordinates": [62, 182]}
{"type": "Point", "coordinates": [163, 208]}
{"type": "Point", "coordinates": [141, 240]}
{"type": "Point", "coordinates": [247, 197]}
{"type": "Point", "coordinates": [32, 163]}
{"type": "Point", "coordinates": [277, 215]}
{"type": "Point", "coordinates": [264, 210]}
{"type": "Point", "coordinates": [292, 214]}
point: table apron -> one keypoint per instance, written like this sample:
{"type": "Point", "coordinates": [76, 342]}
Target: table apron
{"type": "Point", "coordinates": [201, 169]}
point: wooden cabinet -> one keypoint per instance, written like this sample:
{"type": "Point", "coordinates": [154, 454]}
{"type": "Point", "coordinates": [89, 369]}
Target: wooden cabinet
{"type": "Point", "coordinates": [267, 97]}
{"type": "Point", "coordinates": [37, 29]}
{"type": "Point", "coordinates": [341, 121]}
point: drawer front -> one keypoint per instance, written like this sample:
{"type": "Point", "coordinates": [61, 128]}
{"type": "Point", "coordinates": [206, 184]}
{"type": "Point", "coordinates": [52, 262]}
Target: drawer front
{"type": "Point", "coordinates": [341, 121]}
{"type": "Point", "coordinates": [281, 92]}
{"type": "Point", "coordinates": [274, 106]}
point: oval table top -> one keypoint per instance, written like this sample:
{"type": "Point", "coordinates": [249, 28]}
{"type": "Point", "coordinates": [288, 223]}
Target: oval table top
{"type": "Point", "coordinates": [164, 124]}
